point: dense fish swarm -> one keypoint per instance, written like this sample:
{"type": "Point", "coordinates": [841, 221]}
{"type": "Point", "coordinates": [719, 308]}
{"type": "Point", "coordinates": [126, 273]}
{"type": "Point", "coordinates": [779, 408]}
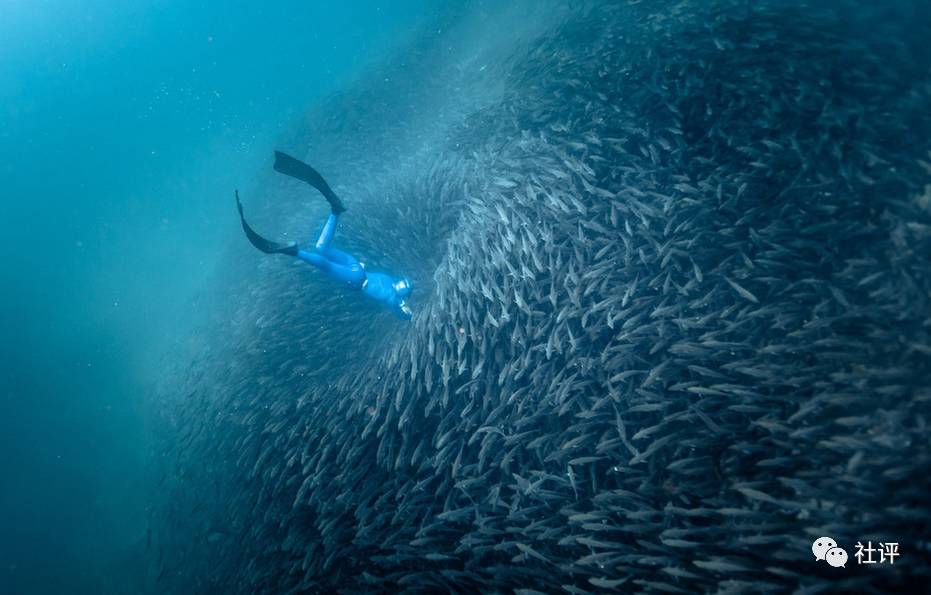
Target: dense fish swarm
{"type": "Point", "coordinates": [672, 324]}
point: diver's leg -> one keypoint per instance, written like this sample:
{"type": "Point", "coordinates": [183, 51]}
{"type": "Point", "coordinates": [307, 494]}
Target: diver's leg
{"type": "Point", "coordinates": [341, 258]}
{"type": "Point", "coordinates": [315, 258]}
{"type": "Point", "coordinates": [325, 241]}
{"type": "Point", "coordinates": [326, 235]}
{"type": "Point", "coordinates": [353, 274]}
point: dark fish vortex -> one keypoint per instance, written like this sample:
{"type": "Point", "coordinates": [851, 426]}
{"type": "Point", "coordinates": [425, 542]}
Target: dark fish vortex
{"type": "Point", "coordinates": [672, 324]}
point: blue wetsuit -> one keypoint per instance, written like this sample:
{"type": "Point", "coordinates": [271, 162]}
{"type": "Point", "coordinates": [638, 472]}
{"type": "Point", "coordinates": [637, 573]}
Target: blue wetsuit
{"type": "Point", "coordinates": [343, 267]}
{"type": "Point", "coordinates": [347, 269]}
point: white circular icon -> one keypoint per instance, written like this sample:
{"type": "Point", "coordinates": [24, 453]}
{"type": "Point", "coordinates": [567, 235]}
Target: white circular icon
{"type": "Point", "coordinates": [821, 545]}
{"type": "Point", "coordinates": [836, 557]}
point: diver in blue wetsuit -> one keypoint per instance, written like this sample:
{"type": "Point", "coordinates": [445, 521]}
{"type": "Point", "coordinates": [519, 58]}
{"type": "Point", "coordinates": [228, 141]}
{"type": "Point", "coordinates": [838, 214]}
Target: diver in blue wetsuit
{"type": "Point", "coordinates": [335, 263]}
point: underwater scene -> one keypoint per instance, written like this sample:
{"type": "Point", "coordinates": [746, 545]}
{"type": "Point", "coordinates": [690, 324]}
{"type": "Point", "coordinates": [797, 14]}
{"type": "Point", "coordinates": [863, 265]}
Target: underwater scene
{"type": "Point", "coordinates": [471, 296]}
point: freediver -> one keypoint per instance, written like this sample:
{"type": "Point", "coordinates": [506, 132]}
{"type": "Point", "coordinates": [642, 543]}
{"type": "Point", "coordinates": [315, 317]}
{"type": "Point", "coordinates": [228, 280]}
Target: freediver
{"type": "Point", "coordinates": [339, 265]}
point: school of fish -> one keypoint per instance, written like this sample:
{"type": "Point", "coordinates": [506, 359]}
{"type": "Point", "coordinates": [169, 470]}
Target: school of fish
{"type": "Point", "coordinates": [672, 323]}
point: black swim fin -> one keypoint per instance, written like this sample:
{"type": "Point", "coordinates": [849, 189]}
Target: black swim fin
{"type": "Point", "coordinates": [298, 169]}
{"type": "Point", "coordinates": [266, 246]}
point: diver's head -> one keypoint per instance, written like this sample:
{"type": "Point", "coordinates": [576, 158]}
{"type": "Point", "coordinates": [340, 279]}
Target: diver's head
{"type": "Point", "coordinates": [403, 287]}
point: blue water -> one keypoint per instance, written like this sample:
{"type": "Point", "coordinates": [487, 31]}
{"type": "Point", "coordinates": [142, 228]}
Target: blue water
{"type": "Point", "coordinates": [670, 270]}
{"type": "Point", "coordinates": [124, 128]}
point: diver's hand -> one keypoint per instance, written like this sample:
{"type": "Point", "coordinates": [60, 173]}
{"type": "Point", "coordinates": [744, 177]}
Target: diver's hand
{"type": "Point", "coordinates": [405, 312]}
